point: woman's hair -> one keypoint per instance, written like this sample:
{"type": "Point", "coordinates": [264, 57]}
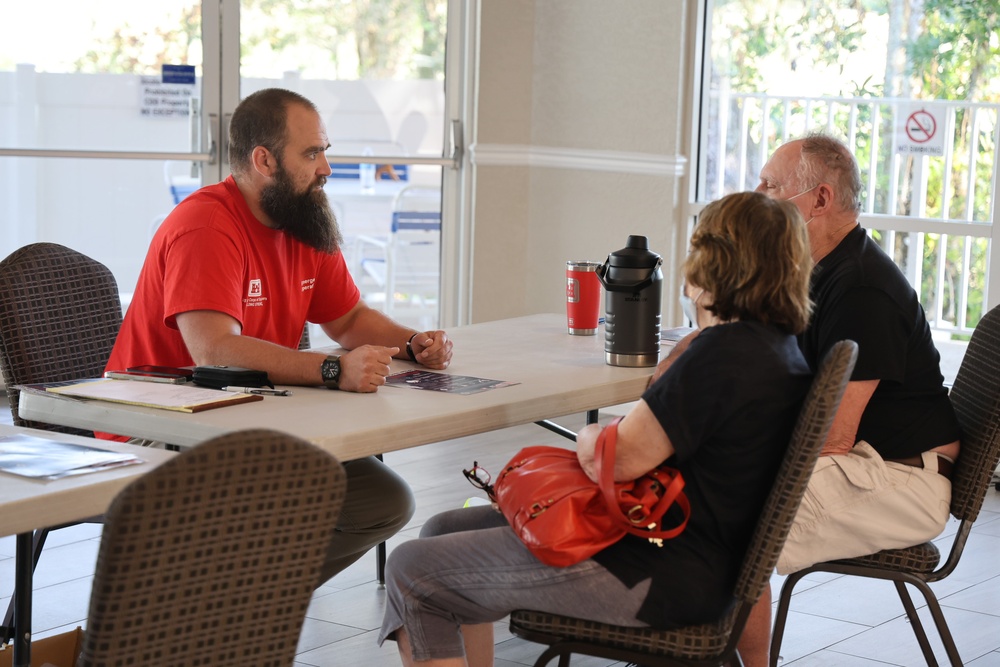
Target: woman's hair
{"type": "Point", "coordinates": [259, 120]}
{"type": "Point", "coordinates": [751, 253]}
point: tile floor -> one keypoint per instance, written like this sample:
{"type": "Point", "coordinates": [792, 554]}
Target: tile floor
{"type": "Point", "coordinates": [835, 621]}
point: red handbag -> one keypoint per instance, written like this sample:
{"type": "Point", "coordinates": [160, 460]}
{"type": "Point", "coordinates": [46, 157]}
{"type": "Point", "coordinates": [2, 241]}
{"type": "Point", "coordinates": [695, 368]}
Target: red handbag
{"type": "Point", "coordinates": [564, 518]}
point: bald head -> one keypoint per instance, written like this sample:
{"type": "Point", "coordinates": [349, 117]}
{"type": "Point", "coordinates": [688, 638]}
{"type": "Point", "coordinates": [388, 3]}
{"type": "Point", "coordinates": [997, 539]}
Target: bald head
{"type": "Point", "coordinates": [820, 177]}
{"type": "Point", "coordinates": [803, 164]}
{"type": "Point", "coordinates": [262, 120]}
{"type": "Point", "coordinates": [825, 159]}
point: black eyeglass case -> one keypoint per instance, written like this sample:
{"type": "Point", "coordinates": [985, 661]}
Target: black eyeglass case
{"type": "Point", "coordinates": [217, 377]}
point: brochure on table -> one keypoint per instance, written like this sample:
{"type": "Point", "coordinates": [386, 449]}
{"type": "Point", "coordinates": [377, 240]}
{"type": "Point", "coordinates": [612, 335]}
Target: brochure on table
{"type": "Point", "coordinates": [33, 456]}
{"type": "Point", "coordinates": [443, 382]}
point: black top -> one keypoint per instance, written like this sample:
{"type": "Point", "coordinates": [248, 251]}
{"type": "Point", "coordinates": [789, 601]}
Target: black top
{"type": "Point", "coordinates": [728, 405]}
{"type": "Point", "coordinates": [861, 295]}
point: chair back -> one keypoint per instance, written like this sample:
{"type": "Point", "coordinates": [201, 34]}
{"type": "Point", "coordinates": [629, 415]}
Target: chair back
{"type": "Point", "coordinates": [416, 221]}
{"type": "Point", "coordinates": [212, 558]}
{"type": "Point", "coordinates": [715, 643]}
{"type": "Point", "coordinates": [305, 341]}
{"type": "Point", "coordinates": [416, 237]}
{"type": "Point", "coordinates": [422, 198]}
{"type": "Point", "coordinates": [352, 171]}
{"type": "Point", "coordinates": [181, 178]}
{"type": "Point", "coordinates": [811, 429]}
{"type": "Point", "coordinates": [180, 191]}
{"type": "Point", "coordinates": [976, 399]}
{"type": "Point", "coordinates": [59, 317]}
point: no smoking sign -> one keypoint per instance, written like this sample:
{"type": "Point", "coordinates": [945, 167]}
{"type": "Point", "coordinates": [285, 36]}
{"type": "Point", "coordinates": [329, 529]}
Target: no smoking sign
{"type": "Point", "coordinates": [921, 127]}
{"type": "Point", "coordinates": [919, 131]}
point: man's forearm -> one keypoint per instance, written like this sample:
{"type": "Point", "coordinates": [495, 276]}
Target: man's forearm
{"type": "Point", "coordinates": [367, 326]}
{"type": "Point", "coordinates": [844, 430]}
{"type": "Point", "coordinates": [283, 365]}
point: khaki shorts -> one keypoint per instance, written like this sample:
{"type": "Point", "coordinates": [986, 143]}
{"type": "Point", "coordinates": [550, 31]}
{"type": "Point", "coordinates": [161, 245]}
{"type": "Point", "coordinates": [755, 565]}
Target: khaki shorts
{"type": "Point", "coordinates": [857, 504]}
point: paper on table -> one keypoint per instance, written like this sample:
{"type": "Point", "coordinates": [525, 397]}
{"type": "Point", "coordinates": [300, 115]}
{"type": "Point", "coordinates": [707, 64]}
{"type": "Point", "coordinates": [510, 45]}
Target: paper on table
{"type": "Point", "coordinates": [31, 456]}
{"type": "Point", "coordinates": [177, 397]}
{"type": "Point", "coordinates": [672, 336]}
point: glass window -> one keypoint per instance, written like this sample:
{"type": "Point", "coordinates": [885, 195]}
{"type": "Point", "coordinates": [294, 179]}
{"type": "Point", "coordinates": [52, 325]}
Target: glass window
{"type": "Point", "coordinates": [375, 70]}
{"type": "Point", "coordinates": [96, 76]}
{"type": "Point", "coordinates": [913, 88]}
{"type": "Point", "coordinates": [105, 122]}
{"type": "Point", "coordinates": [108, 75]}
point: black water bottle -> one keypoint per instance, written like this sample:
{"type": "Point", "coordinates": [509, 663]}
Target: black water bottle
{"type": "Point", "coordinates": [633, 284]}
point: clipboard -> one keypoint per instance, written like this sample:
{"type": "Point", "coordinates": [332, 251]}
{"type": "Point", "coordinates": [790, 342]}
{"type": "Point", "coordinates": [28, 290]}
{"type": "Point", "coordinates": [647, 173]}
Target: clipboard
{"type": "Point", "coordinates": [176, 397]}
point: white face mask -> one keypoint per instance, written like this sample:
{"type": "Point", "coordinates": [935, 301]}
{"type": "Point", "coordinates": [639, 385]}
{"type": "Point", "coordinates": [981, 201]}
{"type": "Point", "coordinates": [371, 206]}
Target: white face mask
{"type": "Point", "coordinates": [689, 307]}
{"type": "Point", "coordinates": [802, 193]}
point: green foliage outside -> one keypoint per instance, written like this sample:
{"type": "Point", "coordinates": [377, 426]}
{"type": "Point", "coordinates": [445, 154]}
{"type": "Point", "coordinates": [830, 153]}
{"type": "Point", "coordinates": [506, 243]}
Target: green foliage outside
{"type": "Point", "coordinates": [321, 39]}
{"type": "Point", "coordinates": [866, 51]}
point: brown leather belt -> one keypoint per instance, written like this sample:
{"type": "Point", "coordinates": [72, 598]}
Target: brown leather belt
{"type": "Point", "coordinates": [944, 465]}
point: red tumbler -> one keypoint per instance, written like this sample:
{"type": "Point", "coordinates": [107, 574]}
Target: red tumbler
{"type": "Point", "coordinates": [583, 297]}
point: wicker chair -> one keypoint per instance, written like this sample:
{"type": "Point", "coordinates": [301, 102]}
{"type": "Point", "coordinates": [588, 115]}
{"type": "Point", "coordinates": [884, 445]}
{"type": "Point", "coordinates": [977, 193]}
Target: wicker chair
{"type": "Point", "coordinates": [305, 342]}
{"type": "Point", "coordinates": [976, 397]}
{"type": "Point", "coordinates": [59, 316]}
{"type": "Point", "coordinates": [212, 558]}
{"type": "Point", "coordinates": [712, 643]}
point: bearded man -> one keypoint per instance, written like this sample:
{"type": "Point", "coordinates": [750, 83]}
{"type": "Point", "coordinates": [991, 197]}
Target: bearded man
{"type": "Point", "coordinates": [237, 269]}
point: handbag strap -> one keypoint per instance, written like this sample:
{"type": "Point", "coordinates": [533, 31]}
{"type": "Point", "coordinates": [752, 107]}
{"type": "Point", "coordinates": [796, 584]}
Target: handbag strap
{"type": "Point", "coordinates": [604, 463]}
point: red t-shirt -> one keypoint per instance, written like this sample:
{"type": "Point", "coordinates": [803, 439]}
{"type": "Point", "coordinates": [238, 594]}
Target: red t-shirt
{"type": "Point", "coordinates": [211, 253]}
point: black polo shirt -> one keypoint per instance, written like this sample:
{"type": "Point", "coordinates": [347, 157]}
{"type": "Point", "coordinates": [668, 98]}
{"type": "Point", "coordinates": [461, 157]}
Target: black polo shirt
{"type": "Point", "coordinates": [861, 295]}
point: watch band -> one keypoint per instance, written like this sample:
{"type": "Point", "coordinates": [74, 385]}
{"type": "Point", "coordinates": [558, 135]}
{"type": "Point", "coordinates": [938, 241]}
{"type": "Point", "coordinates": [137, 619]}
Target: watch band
{"type": "Point", "coordinates": [409, 348]}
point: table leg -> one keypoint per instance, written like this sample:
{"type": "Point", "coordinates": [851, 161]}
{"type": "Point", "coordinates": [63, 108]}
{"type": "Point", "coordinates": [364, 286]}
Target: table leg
{"type": "Point", "coordinates": [380, 553]}
{"type": "Point", "coordinates": [556, 428]}
{"type": "Point", "coordinates": [380, 563]}
{"type": "Point", "coordinates": [562, 430]}
{"type": "Point", "coordinates": [22, 600]}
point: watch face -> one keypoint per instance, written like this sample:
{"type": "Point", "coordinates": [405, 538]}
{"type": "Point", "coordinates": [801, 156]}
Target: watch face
{"type": "Point", "coordinates": [331, 369]}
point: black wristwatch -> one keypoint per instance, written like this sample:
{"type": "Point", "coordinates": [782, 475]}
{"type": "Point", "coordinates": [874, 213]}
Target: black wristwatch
{"type": "Point", "coordinates": [330, 370]}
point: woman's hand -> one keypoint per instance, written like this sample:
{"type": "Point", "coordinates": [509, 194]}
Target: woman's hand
{"type": "Point", "coordinates": [641, 445]}
{"type": "Point", "coordinates": [586, 439]}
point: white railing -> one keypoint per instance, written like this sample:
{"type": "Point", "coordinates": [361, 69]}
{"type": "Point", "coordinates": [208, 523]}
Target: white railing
{"type": "Point", "coordinates": [932, 213]}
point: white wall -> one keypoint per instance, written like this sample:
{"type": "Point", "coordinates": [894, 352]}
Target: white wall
{"type": "Point", "coordinates": [579, 143]}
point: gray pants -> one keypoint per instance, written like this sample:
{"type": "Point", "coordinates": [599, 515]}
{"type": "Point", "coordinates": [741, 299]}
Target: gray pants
{"type": "Point", "coordinates": [377, 506]}
{"type": "Point", "coordinates": [468, 567]}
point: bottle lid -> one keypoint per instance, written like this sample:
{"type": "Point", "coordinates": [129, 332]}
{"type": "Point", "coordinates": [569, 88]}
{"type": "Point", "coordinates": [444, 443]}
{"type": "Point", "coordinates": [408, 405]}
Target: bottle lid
{"type": "Point", "coordinates": [635, 255]}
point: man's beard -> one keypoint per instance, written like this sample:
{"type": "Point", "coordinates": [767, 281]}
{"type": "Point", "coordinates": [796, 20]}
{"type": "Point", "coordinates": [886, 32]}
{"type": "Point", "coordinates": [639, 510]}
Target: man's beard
{"type": "Point", "coordinates": [305, 216]}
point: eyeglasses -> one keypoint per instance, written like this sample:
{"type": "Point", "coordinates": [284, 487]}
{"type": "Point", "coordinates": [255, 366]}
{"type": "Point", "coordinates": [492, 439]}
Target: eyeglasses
{"type": "Point", "coordinates": [480, 478]}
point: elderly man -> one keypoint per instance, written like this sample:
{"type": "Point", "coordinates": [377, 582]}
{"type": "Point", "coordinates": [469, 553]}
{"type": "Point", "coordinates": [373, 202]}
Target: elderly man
{"type": "Point", "coordinates": [237, 269]}
{"type": "Point", "coordinates": [883, 477]}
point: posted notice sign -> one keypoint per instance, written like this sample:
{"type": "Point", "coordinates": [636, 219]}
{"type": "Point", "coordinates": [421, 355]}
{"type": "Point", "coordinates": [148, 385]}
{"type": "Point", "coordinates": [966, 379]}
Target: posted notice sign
{"type": "Point", "coordinates": [920, 130]}
{"type": "Point", "coordinates": [169, 95]}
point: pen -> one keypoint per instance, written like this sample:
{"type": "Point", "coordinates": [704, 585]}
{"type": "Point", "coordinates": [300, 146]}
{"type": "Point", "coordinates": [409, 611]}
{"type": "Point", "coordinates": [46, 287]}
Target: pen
{"type": "Point", "coordinates": [258, 390]}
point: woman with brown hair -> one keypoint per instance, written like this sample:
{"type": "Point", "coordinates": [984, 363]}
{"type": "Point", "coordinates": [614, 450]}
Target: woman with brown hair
{"type": "Point", "coordinates": [721, 410]}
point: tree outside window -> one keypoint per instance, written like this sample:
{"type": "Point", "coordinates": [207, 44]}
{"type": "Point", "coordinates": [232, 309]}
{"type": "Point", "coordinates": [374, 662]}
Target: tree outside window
{"type": "Point", "coordinates": [339, 39]}
{"type": "Point", "coordinates": [777, 69]}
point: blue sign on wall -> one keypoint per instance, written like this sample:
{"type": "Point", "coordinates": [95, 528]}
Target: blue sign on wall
{"type": "Point", "coordinates": [178, 74]}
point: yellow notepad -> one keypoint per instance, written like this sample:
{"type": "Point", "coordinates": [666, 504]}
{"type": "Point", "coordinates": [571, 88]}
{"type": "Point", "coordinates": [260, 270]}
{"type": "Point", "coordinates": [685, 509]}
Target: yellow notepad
{"type": "Point", "coordinates": [177, 397]}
